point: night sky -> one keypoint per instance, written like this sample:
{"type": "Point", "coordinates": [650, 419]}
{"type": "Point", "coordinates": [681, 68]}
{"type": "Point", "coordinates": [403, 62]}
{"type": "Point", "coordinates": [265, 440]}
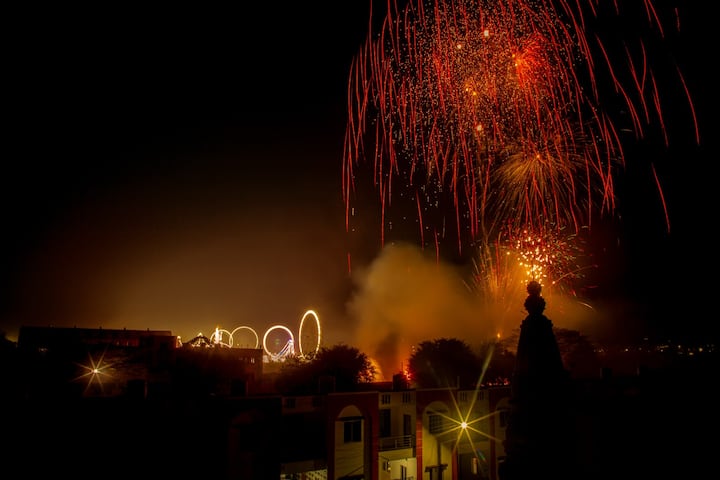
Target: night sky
{"type": "Point", "coordinates": [180, 169]}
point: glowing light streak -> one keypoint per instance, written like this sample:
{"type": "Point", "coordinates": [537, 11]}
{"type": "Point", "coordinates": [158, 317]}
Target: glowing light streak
{"type": "Point", "coordinates": [287, 350]}
{"type": "Point", "coordinates": [257, 339]}
{"type": "Point", "coordinates": [224, 338]}
{"type": "Point", "coordinates": [302, 322]}
{"type": "Point", "coordinates": [217, 338]}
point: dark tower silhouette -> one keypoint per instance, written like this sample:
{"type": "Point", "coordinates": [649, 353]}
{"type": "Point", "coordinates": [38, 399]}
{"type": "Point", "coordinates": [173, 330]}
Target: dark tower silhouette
{"type": "Point", "coordinates": [539, 438]}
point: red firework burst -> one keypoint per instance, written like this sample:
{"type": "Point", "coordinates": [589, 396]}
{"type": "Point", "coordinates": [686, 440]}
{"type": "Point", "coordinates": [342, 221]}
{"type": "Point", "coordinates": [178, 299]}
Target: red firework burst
{"type": "Point", "coordinates": [494, 109]}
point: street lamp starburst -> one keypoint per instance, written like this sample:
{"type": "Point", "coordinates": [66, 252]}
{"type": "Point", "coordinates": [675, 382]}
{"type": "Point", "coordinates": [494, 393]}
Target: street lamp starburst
{"type": "Point", "coordinates": [93, 372]}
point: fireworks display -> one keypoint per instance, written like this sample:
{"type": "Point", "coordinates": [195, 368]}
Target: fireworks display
{"type": "Point", "coordinates": [500, 116]}
{"type": "Point", "coordinates": [510, 263]}
{"type": "Point", "coordinates": [502, 270]}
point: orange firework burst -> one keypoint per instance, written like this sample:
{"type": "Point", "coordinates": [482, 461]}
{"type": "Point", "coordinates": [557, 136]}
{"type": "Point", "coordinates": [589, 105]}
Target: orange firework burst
{"type": "Point", "coordinates": [494, 109]}
{"type": "Point", "coordinates": [551, 257]}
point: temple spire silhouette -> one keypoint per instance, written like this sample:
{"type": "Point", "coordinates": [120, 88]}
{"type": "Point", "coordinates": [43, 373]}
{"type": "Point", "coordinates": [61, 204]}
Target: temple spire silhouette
{"type": "Point", "coordinates": [539, 438]}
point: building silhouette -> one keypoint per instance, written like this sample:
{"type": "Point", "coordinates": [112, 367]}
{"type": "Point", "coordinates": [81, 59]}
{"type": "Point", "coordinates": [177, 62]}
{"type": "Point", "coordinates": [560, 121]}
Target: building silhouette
{"type": "Point", "coordinates": [117, 403]}
{"type": "Point", "coordinates": [540, 435]}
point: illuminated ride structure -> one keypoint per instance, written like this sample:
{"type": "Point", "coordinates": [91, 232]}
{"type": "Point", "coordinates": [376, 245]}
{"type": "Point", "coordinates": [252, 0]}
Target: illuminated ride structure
{"type": "Point", "coordinates": [226, 338]}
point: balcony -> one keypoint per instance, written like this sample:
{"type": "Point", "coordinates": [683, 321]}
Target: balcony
{"type": "Point", "coordinates": [396, 443]}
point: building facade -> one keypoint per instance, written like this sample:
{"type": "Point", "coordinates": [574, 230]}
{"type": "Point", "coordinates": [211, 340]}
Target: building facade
{"type": "Point", "coordinates": [410, 434]}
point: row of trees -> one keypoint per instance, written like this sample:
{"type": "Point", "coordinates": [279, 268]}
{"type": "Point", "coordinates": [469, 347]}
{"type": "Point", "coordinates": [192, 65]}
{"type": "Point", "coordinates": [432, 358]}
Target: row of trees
{"type": "Point", "coordinates": [434, 363]}
{"type": "Point", "coordinates": [437, 363]}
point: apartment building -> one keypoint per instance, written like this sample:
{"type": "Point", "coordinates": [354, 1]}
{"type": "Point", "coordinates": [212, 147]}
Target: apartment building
{"type": "Point", "coordinates": [407, 434]}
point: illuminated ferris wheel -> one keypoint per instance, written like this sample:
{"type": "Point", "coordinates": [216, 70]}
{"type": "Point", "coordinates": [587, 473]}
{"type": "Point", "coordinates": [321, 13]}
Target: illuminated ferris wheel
{"type": "Point", "coordinates": [225, 338]}
{"type": "Point", "coordinates": [288, 348]}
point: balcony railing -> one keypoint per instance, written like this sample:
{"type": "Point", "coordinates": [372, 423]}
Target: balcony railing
{"type": "Point", "coordinates": [396, 443]}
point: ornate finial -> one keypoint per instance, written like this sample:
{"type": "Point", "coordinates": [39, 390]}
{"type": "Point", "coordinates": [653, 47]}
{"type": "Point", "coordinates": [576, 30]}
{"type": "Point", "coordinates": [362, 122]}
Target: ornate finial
{"type": "Point", "coordinates": [534, 288]}
{"type": "Point", "coordinates": [534, 303]}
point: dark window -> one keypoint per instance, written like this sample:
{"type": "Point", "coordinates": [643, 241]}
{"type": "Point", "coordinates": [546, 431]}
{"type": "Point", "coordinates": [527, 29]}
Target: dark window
{"type": "Point", "coordinates": [385, 425]}
{"type": "Point", "coordinates": [504, 415]}
{"type": "Point", "coordinates": [352, 431]}
{"type": "Point", "coordinates": [435, 424]}
{"type": "Point", "coordinates": [407, 425]}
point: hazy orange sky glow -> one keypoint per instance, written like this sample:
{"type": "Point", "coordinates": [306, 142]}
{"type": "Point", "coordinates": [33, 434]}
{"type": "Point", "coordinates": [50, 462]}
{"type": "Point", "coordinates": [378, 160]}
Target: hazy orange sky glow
{"type": "Point", "coordinates": [187, 175]}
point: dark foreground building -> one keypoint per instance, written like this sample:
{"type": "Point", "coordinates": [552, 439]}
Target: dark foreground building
{"type": "Point", "coordinates": [136, 404]}
{"type": "Point", "coordinates": [647, 425]}
{"type": "Point", "coordinates": [540, 436]}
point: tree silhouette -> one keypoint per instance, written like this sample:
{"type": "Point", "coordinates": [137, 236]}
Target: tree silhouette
{"type": "Point", "coordinates": [347, 364]}
{"type": "Point", "coordinates": [296, 377]}
{"type": "Point", "coordinates": [498, 363]}
{"type": "Point", "coordinates": [578, 353]}
{"type": "Point", "coordinates": [444, 362]}
{"type": "Point", "coordinates": [342, 365]}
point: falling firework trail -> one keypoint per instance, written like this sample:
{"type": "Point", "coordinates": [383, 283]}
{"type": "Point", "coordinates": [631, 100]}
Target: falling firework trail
{"type": "Point", "coordinates": [493, 108]}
